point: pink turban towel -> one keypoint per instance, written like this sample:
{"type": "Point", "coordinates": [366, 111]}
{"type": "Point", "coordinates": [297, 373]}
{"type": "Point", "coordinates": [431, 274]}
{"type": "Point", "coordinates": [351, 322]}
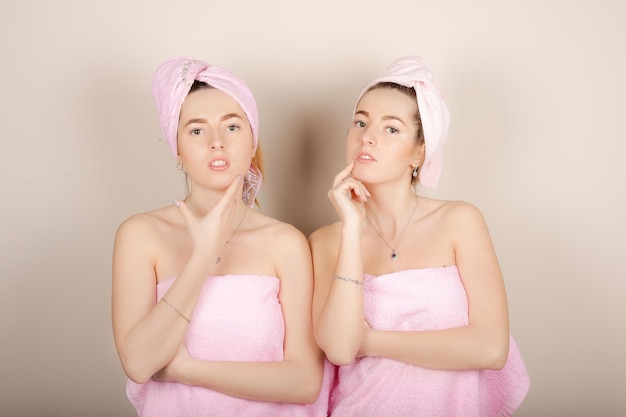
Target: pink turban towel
{"type": "Point", "coordinates": [170, 86]}
{"type": "Point", "coordinates": [414, 72]}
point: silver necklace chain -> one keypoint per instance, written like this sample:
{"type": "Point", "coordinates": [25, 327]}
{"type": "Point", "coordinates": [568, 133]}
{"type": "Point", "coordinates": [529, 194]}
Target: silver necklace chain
{"type": "Point", "coordinates": [219, 258]}
{"type": "Point", "coordinates": [394, 254]}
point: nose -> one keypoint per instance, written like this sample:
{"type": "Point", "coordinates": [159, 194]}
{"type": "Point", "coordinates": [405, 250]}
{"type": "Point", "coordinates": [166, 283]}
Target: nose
{"type": "Point", "coordinates": [367, 137]}
{"type": "Point", "coordinates": [216, 141]}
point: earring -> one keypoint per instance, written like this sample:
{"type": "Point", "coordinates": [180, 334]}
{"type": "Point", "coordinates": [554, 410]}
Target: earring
{"type": "Point", "coordinates": [415, 171]}
{"type": "Point", "coordinates": [179, 165]}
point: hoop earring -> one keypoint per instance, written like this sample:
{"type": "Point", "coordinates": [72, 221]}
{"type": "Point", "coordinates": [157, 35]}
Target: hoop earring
{"type": "Point", "coordinates": [179, 165]}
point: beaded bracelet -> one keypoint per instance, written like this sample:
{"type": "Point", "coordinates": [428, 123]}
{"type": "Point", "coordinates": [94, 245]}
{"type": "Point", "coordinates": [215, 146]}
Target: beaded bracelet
{"type": "Point", "coordinates": [355, 281]}
{"type": "Point", "coordinates": [175, 309]}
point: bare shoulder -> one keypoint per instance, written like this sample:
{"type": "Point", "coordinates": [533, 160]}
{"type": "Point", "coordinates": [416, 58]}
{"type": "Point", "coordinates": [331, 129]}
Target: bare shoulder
{"type": "Point", "coordinates": [459, 220]}
{"type": "Point", "coordinates": [325, 235]}
{"type": "Point", "coordinates": [459, 213]}
{"type": "Point", "coordinates": [273, 231]}
{"type": "Point", "coordinates": [280, 246]}
{"type": "Point", "coordinates": [148, 225]}
{"type": "Point", "coordinates": [451, 212]}
{"type": "Point", "coordinates": [324, 242]}
{"type": "Point", "coordinates": [458, 208]}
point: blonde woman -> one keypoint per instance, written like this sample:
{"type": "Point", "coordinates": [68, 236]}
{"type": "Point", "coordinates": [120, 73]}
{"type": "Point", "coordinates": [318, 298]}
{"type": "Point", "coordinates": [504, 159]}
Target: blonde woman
{"type": "Point", "coordinates": [212, 299]}
{"type": "Point", "coordinates": [409, 298]}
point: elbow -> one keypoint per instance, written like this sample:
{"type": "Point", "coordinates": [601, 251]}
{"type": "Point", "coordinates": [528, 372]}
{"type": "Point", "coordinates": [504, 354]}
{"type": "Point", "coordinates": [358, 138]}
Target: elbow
{"type": "Point", "coordinates": [498, 360]}
{"type": "Point", "coordinates": [341, 359]}
{"type": "Point", "coordinates": [135, 371]}
{"type": "Point", "coordinates": [138, 376]}
{"type": "Point", "coordinates": [340, 351]}
{"type": "Point", "coordinates": [309, 393]}
{"type": "Point", "coordinates": [340, 355]}
{"type": "Point", "coordinates": [496, 355]}
{"type": "Point", "coordinates": [309, 387]}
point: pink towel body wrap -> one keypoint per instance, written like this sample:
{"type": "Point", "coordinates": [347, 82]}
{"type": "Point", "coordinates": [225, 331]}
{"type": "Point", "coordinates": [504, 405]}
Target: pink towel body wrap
{"type": "Point", "coordinates": [423, 299]}
{"type": "Point", "coordinates": [237, 318]}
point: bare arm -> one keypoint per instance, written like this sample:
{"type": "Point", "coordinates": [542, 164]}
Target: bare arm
{"type": "Point", "coordinates": [298, 377]}
{"type": "Point", "coordinates": [338, 303]}
{"type": "Point", "coordinates": [148, 334]}
{"type": "Point", "coordinates": [484, 342]}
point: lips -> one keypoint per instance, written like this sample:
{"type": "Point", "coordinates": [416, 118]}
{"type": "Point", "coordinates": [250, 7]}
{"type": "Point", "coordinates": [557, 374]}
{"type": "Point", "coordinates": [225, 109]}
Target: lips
{"type": "Point", "coordinates": [364, 157]}
{"type": "Point", "coordinates": [219, 164]}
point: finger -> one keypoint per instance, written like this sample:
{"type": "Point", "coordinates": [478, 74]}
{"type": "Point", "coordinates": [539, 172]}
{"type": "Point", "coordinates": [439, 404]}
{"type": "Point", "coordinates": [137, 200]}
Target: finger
{"type": "Point", "coordinates": [359, 195]}
{"type": "Point", "coordinates": [184, 210]}
{"type": "Point", "coordinates": [351, 187]}
{"type": "Point", "coordinates": [345, 173]}
{"type": "Point", "coordinates": [230, 195]}
{"type": "Point", "coordinates": [358, 190]}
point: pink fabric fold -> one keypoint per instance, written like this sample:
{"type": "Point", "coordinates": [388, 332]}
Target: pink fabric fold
{"type": "Point", "coordinates": [416, 73]}
{"type": "Point", "coordinates": [237, 318]}
{"type": "Point", "coordinates": [424, 299]}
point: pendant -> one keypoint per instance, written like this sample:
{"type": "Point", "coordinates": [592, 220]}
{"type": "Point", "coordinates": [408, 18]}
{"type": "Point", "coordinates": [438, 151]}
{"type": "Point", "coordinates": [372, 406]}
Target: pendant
{"type": "Point", "coordinates": [394, 256]}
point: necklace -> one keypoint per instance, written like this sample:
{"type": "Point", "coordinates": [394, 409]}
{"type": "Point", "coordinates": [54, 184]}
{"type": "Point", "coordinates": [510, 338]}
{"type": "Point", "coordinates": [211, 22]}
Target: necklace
{"type": "Point", "coordinates": [394, 254]}
{"type": "Point", "coordinates": [219, 258]}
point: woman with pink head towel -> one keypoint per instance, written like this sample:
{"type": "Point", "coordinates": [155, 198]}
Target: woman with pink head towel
{"type": "Point", "coordinates": [212, 299]}
{"type": "Point", "coordinates": [409, 299]}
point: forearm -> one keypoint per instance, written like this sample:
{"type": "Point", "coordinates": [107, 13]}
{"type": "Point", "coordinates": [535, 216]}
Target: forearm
{"type": "Point", "coordinates": [155, 339]}
{"type": "Point", "coordinates": [340, 324]}
{"type": "Point", "coordinates": [285, 381]}
{"type": "Point", "coordinates": [452, 349]}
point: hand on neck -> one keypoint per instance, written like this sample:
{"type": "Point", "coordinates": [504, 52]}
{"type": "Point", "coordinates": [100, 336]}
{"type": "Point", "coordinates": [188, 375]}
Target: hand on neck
{"type": "Point", "coordinates": [201, 201]}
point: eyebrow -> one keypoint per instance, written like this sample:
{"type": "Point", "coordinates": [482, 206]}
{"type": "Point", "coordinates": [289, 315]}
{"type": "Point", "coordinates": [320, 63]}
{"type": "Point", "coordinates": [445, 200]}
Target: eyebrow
{"type": "Point", "coordinates": [230, 116]}
{"type": "Point", "coordinates": [389, 117]}
{"type": "Point", "coordinates": [223, 118]}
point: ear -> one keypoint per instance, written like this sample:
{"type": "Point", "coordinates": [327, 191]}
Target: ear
{"type": "Point", "coordinates": [418, 156]}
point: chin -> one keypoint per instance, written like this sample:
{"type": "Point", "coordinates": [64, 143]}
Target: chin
{"type": "Point", "coordinates": [362, 174]}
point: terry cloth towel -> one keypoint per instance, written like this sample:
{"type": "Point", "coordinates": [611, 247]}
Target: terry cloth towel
{"type": "Point", "coordinates": [171, 84]}
{"type": "Point", "coordinates": [414, 72]}
{"type": "Point", "coordinates": [237, 318]}
{"type": "Point", "coordinates": [423, 299]}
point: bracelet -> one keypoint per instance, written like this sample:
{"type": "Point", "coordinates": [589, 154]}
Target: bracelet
{"type": "Point", "coordinates": [175, 309]}
{"type": "Point", "coordinates": [355, 281]}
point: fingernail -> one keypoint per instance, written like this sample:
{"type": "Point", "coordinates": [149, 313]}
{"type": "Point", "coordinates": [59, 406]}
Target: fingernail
{"type": "Point", "coordinates": [176, 203]}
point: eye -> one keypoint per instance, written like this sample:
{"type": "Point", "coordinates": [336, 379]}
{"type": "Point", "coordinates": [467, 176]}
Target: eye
{"type": "Point", "coordinates": [196, 132]}
{"type": "Point", "coordinates": [359, 123]}
{"type": "Point", "coordinates": [233, 127]}
{"type": "Point", "coordinates": [392, 129]}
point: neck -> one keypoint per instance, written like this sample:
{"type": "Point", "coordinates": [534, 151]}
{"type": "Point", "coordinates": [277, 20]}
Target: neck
{"type": "Point", "coordinates": [392, 214]}
{"type": "Point", "coordinates": [390, 208]}
{"type": "Point", "coordinates": [200, 201]}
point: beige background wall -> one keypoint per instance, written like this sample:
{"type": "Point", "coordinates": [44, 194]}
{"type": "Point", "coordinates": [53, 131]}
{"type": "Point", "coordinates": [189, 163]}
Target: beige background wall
{"type": "Point", "coordinates": [537, 95]}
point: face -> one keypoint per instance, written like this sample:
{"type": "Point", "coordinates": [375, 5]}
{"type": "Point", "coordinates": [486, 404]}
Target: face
{"type": "Point", "coordinates": [215, 142]}
{"type": "Point", "coordinates": [381, 139]}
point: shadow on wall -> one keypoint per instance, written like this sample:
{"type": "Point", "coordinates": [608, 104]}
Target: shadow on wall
{"type": "Point", "coordinates": [317, 153]}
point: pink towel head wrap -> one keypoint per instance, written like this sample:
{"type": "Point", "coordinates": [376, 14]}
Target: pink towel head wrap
{"type": "Point", "coordinates": [170, 86]}
{"type": "Point", "coordinates": [414, 72]}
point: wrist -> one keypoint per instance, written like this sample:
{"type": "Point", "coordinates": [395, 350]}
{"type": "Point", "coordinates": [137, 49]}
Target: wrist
{"type": "Point", "coordinates": [204, 259]}
{"type": "Point", "coordinates": [368, 342]}
{"type": "Point", "coordinates": [351, 228]}
{"type": "Point", "coordinates": [183, 370]}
